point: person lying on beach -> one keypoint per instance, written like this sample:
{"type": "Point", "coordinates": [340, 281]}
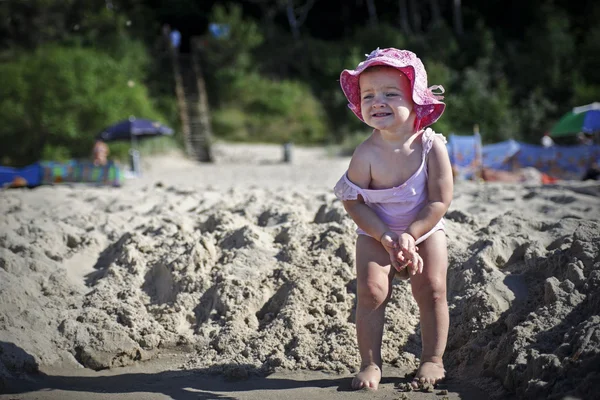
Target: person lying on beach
{"type": "Point", "coordinates": [527, 175]}
{"type": "Point", "coordinates": [397, 189]}
{"type": "Point", "coordinates": [100, 153]}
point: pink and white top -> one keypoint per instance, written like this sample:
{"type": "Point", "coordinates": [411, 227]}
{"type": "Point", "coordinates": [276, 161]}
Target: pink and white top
{"type": "Point", "coordinates": [397, 206]}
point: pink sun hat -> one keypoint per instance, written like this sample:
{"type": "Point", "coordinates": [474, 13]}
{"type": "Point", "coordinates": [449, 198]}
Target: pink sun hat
{"type": "Point", "coordinates": [428, 106]}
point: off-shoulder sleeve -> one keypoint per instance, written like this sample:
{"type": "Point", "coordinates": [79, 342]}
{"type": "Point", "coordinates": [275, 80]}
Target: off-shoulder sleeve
{"type": "Point", "coordinates": [428, 138]}
{"type": "Point", "coordinates": [346, 190]}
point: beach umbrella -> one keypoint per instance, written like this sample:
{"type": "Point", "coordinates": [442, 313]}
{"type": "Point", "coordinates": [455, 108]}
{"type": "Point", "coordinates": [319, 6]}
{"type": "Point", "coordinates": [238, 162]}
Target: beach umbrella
{"type": "Point", "coordinates": [133, 129]}
{"type": "Point", "coordinates": [581, 119]}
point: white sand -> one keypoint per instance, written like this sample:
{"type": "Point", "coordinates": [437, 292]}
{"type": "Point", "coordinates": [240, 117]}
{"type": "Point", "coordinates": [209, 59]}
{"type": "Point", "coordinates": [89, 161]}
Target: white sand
{"type": "Point", "coordinates": [245, 267]}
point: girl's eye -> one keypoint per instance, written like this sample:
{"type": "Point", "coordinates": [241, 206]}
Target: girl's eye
{"type": "Point", "coordinates": [368, 96]}
{"type": "Point", "coordinates": [392, 94]}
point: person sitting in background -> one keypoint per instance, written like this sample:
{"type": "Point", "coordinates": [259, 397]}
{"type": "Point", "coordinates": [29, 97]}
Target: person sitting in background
{"type": "Point", "coordinates": [584, 139]}
{"type": "Point", "coordinates": [592, 173]}
{"type": "Point", "coordinates": [100, 153]}
{"type": "Point", "coordinates": [547, 140]}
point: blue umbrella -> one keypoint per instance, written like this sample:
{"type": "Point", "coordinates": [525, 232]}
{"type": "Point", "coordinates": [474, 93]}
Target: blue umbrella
{"type": "Point", "coordinates": [133, 129]}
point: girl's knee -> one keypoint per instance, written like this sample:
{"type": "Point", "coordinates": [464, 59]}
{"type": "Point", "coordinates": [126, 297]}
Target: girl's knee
{"type": "Point", "coordinates": [430, 298]}
{"type": "Point", "coordinates": [373, 294]}
{"type": "Point", "coordinates": [431, 291]}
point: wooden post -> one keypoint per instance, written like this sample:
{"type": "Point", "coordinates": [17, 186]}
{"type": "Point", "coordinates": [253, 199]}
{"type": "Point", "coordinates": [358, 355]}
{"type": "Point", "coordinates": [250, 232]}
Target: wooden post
{"type": "Point", "coordinates": [478, 167]}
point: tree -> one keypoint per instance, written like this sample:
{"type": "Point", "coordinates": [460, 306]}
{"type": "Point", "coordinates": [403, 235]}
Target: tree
{"type": "Point", "coordinates": [436, 14]}
{"type": "Point", "coordinates": [372, 12]}
{"type": "Point", "coordinates": [403, 16]}
{"type": "Point", "coordinates": [268, 12]}
{"type": "Point", "coordinates": [55, 100]}
{"type": "Point", "coordinates": [30, 24]}
{"type": "Point", "coordinates": [457, 17]}
{"type": "Point", "coordinates": [415, 15]}
{"type": "Point", "coordinates": [297, 16]}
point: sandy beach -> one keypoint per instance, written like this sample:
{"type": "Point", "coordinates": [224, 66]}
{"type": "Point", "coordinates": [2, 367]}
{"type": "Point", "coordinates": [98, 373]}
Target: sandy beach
{"type": "Point", "coordinates": [236, 280]}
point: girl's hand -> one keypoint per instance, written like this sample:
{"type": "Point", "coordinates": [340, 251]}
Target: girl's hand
{"type": "Point", "coordinates": [410, 257]}
{"type": "Point", "coordinates": [390, 242]}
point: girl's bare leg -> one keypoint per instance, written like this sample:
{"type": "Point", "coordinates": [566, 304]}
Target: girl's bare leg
{"type": "Point", "coordinates": [374, 288]}
{"type": "Point", "coordinates": [429, 290]}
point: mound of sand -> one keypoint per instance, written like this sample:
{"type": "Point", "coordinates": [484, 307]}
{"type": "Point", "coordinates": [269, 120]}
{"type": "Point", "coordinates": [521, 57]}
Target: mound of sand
{"type": "Point", "coordinates": [250, 277]}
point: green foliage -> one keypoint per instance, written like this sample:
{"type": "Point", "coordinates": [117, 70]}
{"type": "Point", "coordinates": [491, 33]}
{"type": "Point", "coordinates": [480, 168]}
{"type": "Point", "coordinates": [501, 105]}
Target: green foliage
{"type": "Point", "coordinates": [546, 58]}
{"type": "Point", "coordinates": [56, 99]}
{"type": "Point", "coordinates": [437, 44]}
{"type": "Point", "coordinates": [31, 24]}
{"type": "Point", "coordinates": [585, 93]}
{"type": "Point", "coordinates": [590, 60]}
{"type": "Point", "coordinates": [351, 142]}
{"type": "Point", "coordinates": [440, 74]}
{"type": "Point", "coordinates": [252, 107]}
{"type": "Point", "coordinates": [326, 60]}
{"type": "Point", "coordinates": [368, 38]}
{"type": "Point", "coordinates": [263, 110]}
{"type": "Point", "coordinates": [587, 83]}
{"type": "Point", "coordinates": [483, 102]}
{"type": "Point", "coordinates": [266, 85]}
{"type": "Point", "coordinates": [231, 54]}
{"type": "Point", "coordinates": [226, 57]}
{"type": "Point", "coordinates": [533, 113]}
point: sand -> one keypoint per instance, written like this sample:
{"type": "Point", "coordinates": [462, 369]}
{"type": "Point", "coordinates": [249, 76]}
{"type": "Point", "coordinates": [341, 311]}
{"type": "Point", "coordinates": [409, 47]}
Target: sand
{"type": "Point", "coordinates": [235, 281]}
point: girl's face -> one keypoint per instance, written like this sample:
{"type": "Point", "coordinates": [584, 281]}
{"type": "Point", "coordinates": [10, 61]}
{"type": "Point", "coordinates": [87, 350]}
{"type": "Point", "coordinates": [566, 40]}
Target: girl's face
{"type": "Point", "coordinates": [386, 99]}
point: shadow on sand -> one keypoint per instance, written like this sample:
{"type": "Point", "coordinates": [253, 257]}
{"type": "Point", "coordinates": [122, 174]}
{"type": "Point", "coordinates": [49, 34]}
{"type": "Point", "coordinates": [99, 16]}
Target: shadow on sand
{"type": "Point", "coordinates": [197, 384]}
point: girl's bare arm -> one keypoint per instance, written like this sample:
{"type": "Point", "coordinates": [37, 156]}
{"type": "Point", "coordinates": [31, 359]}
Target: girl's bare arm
{"type": "Point", "coordinates": [440, 185]}
{"type": "Point", "coordinates": [359, 172]}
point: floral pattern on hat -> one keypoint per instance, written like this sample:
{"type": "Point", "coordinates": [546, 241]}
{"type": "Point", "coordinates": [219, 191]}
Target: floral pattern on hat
{"type": "Point", "coordinates": [428, 105]}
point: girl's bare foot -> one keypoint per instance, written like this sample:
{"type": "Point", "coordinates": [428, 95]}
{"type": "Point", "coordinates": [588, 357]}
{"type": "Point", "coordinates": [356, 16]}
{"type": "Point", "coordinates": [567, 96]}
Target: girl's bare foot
{"type": "Point", "coordinates": [368, 377]}
{"type": "Point", "coordinates": [428, 372]}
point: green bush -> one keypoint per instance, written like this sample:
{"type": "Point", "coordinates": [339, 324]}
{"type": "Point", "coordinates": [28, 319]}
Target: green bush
{"type": "Point", "coordinates": [258, 109]}
{"type": "Point", "coordinates": [480, 100]}
{"type": "Point", "coordinates": [55, 100]}
{"type": "Point", "coordinates": [226, 57]}
{"type": "Point", "coordinates": [440, 74]}
{"type": "Point", "coordinates": [233, 51]}
{"type": "Point", "coordinates": [368, 38]}
{"type": "Point", "coordinates": [351, 142]}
